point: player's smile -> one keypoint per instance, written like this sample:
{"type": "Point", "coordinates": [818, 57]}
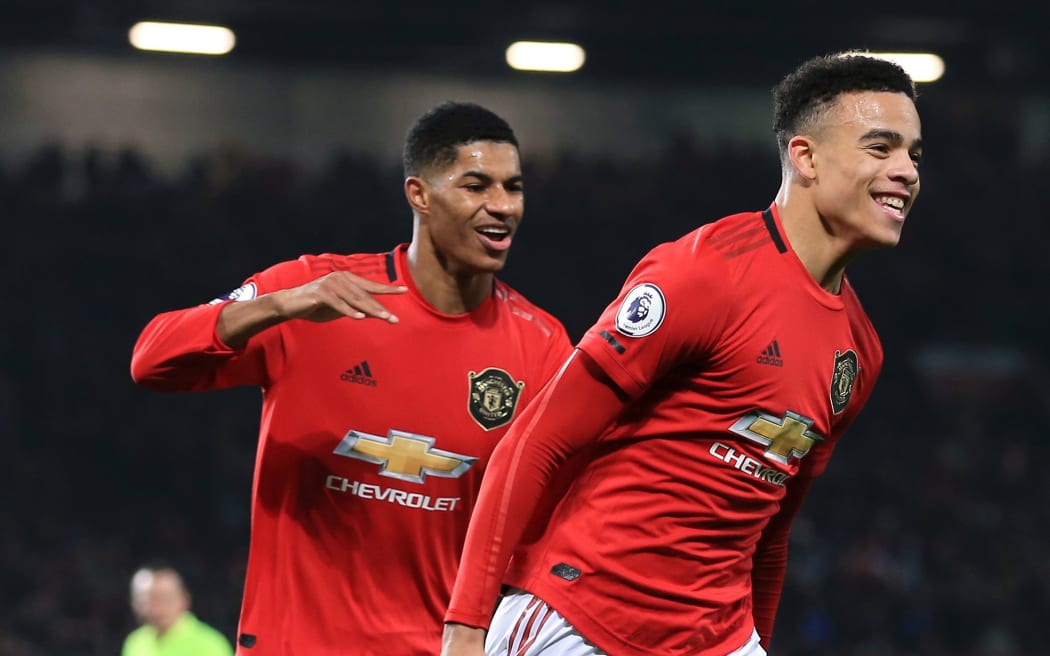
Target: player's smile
{"type": "Point", "coordinates": [496, 236]}
{"type": "Point", "coordinates": [896, 205]}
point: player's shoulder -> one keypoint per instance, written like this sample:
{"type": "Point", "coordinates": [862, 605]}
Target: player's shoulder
{"type": "Point", "coordinates": [720, 239]}
{"type": "Point", "coordinates": [367, 265]}
{"type": "Point", "coordinates": [736, 235]}
{"type": "Point", "coordinates": [525, 311]}
{"type": "Point", "coordinates": [701, 265]}
{"type": "Point", "coordinates": [312, 266]}
{"type": "Point", "coordinates": [706, 251]}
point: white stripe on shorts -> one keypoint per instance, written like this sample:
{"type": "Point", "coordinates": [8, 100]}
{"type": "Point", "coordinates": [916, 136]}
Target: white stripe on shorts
{"type": "Point", "coordinates": [524, 625]}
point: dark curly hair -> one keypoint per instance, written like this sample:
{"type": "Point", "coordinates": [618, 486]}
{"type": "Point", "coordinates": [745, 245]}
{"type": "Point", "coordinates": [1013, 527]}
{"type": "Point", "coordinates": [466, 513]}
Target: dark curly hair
{"type": "Point", "coordinates": [434, 137]}
{"type": "Point", "coordinates": [812, 88]}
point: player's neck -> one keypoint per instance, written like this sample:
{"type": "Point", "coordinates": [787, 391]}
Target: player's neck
{"type": "Point", "coordinates": [823, 254]}
{"type": "Point", "coordinates": [447, 291]}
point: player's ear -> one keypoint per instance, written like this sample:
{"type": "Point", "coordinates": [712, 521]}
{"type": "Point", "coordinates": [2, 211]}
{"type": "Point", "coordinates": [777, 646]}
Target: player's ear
{"type": "Point", "coordinates": [416, 194]}
{"type": "Point", "coordinates": [802, 155]}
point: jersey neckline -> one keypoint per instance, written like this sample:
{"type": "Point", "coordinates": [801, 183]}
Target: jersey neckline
{"type": "Point", "coordinates": [398, 272]}
{"type": "Point", "coordinates": [771, 216]}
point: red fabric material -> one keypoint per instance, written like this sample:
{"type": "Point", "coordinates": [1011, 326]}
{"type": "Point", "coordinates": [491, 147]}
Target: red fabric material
{"type": "Point", "coordinates": [731, 356]}
{"type": "Point", "coordinates": [358, 515]}
{"type": "Point", "coordinates": [771, 559]}
{"type": "Point", "coordinates": [564, 419]}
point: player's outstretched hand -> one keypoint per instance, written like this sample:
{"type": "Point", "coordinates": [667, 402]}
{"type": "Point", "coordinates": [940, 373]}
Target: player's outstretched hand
{"type": "Point", "coordinates": [338, 294]}
{"type": "Point", "coordinates": [462, 640]}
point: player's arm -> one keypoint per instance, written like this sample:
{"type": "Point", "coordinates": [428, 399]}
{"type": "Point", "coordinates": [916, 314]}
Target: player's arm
{"type": "Point", "coordinates": [338, 294]}
{"type": "Point", "coordinates": [207, 346]}
{"type": "Point", "coordinates": [769, 563]}
{"type": "Point", "coordinates": [568, 414]}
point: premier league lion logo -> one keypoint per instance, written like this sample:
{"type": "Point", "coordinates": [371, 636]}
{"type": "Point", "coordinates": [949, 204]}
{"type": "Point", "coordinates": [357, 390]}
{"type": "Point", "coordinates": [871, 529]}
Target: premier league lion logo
{"type": "Point", "coordinates": [641, 311]}
{"type": "Point", "coordinates": [639, 308]}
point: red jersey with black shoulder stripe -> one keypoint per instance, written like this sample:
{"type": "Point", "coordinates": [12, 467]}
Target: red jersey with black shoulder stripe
{"type": "Point", "coordinates": [742, 374]}
{"type": "Point", "coordinates": [372, 445]}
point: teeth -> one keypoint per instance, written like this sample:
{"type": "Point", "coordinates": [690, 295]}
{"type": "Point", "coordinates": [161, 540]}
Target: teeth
{"type": "Point", "coordinates": [494, 231]}
{"type": "Point", "coordinates": [892, 201]}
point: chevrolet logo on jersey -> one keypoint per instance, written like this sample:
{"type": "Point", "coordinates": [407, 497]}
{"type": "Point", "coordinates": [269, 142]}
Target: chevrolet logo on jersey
{"type": "Point", "coordinates": [405, 456]}
{"type": "Point", "coordinates": [783, 438]}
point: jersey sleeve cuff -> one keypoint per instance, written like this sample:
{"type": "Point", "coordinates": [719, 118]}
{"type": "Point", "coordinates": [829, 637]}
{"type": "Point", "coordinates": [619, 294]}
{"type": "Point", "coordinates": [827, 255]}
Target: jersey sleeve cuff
{"type": "Point", "coordinates": [602, 350]}
{"type": "Point", "coordinates": [478, 621]}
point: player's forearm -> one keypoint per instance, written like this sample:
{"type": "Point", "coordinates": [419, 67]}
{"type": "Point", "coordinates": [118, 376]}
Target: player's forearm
{"type": "Point", "coordinates": [240, 321]}
{"type": "Point", "coordinates": [769, 563]}
{"type": "Point", "coordinates": [767, 582]}
{"type": "Point", "coordinates": [516, 476]}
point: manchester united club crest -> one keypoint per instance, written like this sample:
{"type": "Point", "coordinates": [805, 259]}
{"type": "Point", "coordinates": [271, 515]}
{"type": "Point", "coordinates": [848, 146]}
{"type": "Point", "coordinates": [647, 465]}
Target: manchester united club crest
{"type": "Point", "coordinates": [843, 377]}
{"type": "Point", "coordinates": [493, 397]}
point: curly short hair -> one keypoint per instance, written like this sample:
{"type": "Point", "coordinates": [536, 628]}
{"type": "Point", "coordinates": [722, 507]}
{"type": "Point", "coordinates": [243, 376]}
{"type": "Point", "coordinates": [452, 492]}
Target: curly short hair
{"type": "Point", "coordinates": [811, 89]}
{"type": "Point", "coordinates": [434, 137]}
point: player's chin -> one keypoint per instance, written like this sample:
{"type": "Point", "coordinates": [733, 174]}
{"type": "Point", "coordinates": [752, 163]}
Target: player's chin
{"type": "Point", "coordinates": [496, 265]}
{"type": "Point", "coordinates": [488, 264]}
{"type": "Point", "coordinates": [886, 239]}
{"type": "Point", "coordinates": [493, 261]}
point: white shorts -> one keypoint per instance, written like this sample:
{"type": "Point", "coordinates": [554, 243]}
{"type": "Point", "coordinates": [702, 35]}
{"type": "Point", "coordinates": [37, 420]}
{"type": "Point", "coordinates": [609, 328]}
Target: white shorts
{"type": "Point", "coordinates": [524, 625]}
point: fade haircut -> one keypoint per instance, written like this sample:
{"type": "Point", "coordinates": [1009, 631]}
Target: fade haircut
{"type": "Point", "coordinates": [806, 94]}
{"type": "Point", "coordinates": [434, 137]}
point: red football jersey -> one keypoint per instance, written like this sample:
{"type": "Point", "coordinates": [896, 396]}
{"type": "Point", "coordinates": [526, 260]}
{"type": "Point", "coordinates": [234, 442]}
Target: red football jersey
{"type": "Point", "coordinates": [373, 441]}
{"type": "Point", "coordinates": [743, 374]}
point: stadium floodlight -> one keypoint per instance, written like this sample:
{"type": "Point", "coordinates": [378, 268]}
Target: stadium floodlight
{"type": "Point", "coordinates": [545, 56]}
{"type": "Point", "coordinates": [921, 66]}
{"type": "Point", "coordinates": [182, 37]}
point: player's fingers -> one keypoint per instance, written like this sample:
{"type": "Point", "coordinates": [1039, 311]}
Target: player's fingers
{"type": "Point", "coordinates": [351, 296]}
{"type": "Point", "coordinates": [332, 306]}
{"type": "Point", "coordinates": [359, 304]}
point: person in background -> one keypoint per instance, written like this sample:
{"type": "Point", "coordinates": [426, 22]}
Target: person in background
{"type": "Point", "coordinates": [161, 602]}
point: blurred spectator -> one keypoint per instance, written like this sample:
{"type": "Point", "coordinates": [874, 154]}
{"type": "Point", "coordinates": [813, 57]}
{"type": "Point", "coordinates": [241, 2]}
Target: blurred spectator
{"type": "Point", "coordinates": [161, 603]}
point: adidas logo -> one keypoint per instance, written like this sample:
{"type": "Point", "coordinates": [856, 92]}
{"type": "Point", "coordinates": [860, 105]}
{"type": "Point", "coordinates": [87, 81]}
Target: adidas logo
{"type": "Point", "coordinates": [771, 355]}
{"type": "Point", "coordinates": [359, 374]}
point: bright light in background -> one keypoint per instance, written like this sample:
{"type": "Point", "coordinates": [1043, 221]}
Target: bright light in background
{"type": "Point", "coordinates": [545, 56]}
{"type": "Point", "coordinates": [921, 66]}
{"type": "Point", "coordinates": [182, 37]}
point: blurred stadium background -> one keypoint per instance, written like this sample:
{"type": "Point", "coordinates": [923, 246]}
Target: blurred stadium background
{"type": "Point", "coordinates": [134, 182]}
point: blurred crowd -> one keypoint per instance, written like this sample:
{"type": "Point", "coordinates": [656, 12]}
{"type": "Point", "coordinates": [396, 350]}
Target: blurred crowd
{"type": "Point", "coordinates": [926, 536]}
